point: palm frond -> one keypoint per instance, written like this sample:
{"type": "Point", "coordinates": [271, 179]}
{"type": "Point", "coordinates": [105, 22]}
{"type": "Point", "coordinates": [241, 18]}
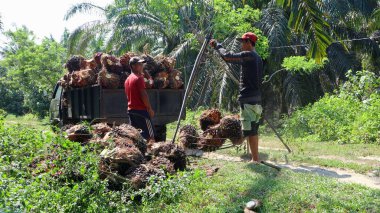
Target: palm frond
{"type": "Point", "coordinates": [127, 18]}
{"type": "Point", "coordinates": [340, 61]}
{"type": "Point", "coordinates": [84, 7]}
{"type": "Point", "coordinates": [181, 49]}
{"type": "Point", "coordinates": [306, 17]}
{"type": "Point", "coordinates": [274, 25]}
{"type": "Point", "coordinates": [365, 7]}
{"type": "Point", "coordinates": [375, 22]}
{"type": "Point", "coordinates": [301, 90]}
{"type": "Point", "coordinates": [80, 37]}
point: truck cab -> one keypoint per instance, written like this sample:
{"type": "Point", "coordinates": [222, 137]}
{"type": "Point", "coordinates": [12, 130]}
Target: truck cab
{"type": "Point", "coordinates": [96, 104]}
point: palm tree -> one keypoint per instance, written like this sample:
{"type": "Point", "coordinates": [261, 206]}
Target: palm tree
{"type": "Point", "coordinates": [340, 20]}
{"type": "Point", "coordinates": [132, 24]}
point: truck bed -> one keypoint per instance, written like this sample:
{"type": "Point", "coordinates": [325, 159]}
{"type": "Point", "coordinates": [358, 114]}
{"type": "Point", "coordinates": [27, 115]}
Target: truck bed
{"type": "Point", "coordinates": [110, 105]}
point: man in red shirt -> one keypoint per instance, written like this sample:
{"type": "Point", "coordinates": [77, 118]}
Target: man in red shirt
{"type": "Point", "coordinates": [139, 108]}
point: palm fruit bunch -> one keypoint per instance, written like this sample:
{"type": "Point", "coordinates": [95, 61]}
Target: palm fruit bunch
{"type": "Point", "coordinates": [90, 64]}
{"type": "Point", "coordinates": [209, 118]}
{"type": "Point", "coordinates": [82, 78]}
{"type": "Point", "coordinates": [107, 70]}
{"type": "Point", "coordinates": [98, 61]}
{"type": "Point", "coordinates": [161, 80]}
{"type": "Point", "coordinates": [123, 77]}
{"type": "Point", "coordinates": [211, 140]}
{"type": "Point", "coordinates": [65, 81]}
{"type": "Point", "coordinates": [140, 176]}
{"type": "Point", "coordinates": [230, 127]}
{"type": "Point", "coordinates": [124, 61]}
{"type": "Point", "coordinates": [101, 129]}
{"type": "Point", "coordinates": [122, 160]}
{"type": "Point", "coordinates": [162, 163]}
{"type": "Point", "coordinates": [172, 152]}
{"type": "Point", "coordinates": [188, 137]}
{"type": "Point", "coordinates": [78, 133]}
{"type": "Point", "coordinates": [175, 80]}
{"type": "Point", "coordinates": [165, 63]}
{"type": "Point", "coordinates": [148, 80]}
{"type": "Point", "coordinates": [111, 64]}
{"type": "Point", "coordinates": [108, 80]}
{"type": "Point", "coordinates": [75, 63]}
{"type": "Point", "coordinates": [150, 65]}
{"type": "Point", "coordinates": [128, 131]}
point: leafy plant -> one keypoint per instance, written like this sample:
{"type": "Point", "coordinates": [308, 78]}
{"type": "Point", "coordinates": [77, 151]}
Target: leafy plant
{"type": "Point", "coordinates": [300, 64]}
{"type": "Point", "coordinates": [31, 71]}
{"type": "Point", "coordinates": [350, 116]}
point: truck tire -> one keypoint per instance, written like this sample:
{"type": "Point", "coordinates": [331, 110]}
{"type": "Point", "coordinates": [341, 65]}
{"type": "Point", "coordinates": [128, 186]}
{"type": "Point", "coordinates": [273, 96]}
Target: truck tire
{"type": "Point", "coordinates": [160, 133]}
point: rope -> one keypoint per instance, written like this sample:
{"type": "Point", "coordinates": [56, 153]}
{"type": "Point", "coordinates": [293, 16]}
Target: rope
{"type": "Point", "coordinates": [334, 42]}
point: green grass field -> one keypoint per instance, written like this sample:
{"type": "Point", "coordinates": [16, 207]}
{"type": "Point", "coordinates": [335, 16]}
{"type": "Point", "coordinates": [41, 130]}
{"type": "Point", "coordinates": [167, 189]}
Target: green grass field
{"type": "Point", "coordinates": [37, 190]}
{"type": "Point", "coordinates": [286, 191]}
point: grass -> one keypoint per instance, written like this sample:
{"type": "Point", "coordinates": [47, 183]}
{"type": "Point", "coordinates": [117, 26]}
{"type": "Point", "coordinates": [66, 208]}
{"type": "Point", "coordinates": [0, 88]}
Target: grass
{"type": "Point", "coordinates": [23, 189]}
{"type": "Point", "coordinates": [28, 120]}
{"type": "Point", "coordinates": [328, 154]}
{"type": "Point", "coordinates": [236, 183]}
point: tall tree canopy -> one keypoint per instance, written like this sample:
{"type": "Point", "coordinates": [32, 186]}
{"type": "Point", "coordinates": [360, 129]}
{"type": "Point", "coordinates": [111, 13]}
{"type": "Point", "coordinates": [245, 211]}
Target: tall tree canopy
{"type": "Point", "coordinates": [30, 68]}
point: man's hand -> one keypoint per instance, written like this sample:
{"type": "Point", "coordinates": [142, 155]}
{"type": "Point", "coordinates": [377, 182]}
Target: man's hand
{"type": "Point", "coordinates": [213, 43]}
{"type": "Point", "coordinates": [151, 112]}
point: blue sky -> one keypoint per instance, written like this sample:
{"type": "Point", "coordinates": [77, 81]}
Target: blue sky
{"type": "Point", "coordinates": [43, 17]}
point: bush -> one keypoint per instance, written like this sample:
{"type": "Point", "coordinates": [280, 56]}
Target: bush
{"type": "Point", "coordinates": [366, 127]}
{"type": "Point", "coordinates": [350, 116]}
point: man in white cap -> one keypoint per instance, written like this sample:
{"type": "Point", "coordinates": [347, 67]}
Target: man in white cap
{"type": "Point", "coordinates": [139, 109]}
{"type": "Point", "coordinates": [250, 83]}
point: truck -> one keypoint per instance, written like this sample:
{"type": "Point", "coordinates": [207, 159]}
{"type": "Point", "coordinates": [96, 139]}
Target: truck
{"type": "Point", "coordinates": [95, 104]}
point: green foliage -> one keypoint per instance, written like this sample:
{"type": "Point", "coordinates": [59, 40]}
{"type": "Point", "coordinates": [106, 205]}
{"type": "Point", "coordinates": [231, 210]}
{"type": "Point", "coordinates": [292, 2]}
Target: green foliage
{"type": "Point", "coordinates": [360, 85]}
{"type": "Point", "coordinates": [31, 71]}
{"type": "Point", "coordinates": [41, 171]}
{"type": "Point", "coordinates": [229, 20]}
{"type": "Point", "coordinates": [2, 116]}
{"type": "Point", "coordinates": [351, 116]}
{"type": "Point", "coordinates": [307, 18]}
{"type": "Point", "coordinates": [300, 64]}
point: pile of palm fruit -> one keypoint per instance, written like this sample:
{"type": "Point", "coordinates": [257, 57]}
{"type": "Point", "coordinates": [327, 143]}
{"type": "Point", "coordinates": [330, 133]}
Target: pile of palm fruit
{"type": "Point", "coordinates": [215, 130]}
{"type": "Point", "coordinates": [110, 71]}
{"type": "Point", "coordinates": [125, 154]}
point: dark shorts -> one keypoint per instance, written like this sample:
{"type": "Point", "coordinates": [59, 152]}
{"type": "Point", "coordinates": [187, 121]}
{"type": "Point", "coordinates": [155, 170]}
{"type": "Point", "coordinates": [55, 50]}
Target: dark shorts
{"type": "Point", "coordinates": [250, 114]}
{"type": "Point", "coordinates": [140, 119]}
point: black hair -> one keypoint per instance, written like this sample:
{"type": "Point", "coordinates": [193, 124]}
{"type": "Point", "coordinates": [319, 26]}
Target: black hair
{"type": "Point", "coordinates": [250, 41]}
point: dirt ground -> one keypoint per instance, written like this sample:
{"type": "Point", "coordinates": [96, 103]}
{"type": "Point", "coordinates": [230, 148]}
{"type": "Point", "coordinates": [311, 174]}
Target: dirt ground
{"type": "Point", "coordinates": [340, 175]}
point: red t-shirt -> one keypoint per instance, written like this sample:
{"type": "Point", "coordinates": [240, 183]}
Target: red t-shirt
{"type": "Point", "coordinates": [133, 87]}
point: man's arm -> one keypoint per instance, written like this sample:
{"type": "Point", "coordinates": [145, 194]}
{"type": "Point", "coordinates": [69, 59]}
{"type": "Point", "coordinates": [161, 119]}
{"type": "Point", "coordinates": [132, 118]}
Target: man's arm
{"type": "Point", "coordinates": [230, 57]}
{"type": "Point", "coordinates": [145, 99]}
{"type": "Point", "coordinates": [144, 96]}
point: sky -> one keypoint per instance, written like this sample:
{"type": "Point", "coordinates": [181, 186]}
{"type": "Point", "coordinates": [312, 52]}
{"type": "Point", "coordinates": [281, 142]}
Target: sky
{"type": "Point", "coordinates": [43, 17]}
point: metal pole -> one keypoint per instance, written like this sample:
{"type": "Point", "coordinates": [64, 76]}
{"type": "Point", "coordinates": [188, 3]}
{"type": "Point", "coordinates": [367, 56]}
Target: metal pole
{"type": "Point", "coordinates": [191, 81]}
{"type": "Point", "coordinates": [278, 135]}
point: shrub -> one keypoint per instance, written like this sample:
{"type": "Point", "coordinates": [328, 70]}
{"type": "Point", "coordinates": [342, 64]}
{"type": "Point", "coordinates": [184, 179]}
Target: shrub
{"type": "Point", "coordinates": [352, 115]}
